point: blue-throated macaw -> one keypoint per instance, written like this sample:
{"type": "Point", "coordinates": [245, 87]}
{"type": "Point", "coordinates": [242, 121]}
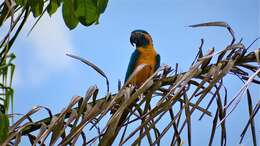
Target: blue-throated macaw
{"type": "Point", "coordinates": [144, 54]}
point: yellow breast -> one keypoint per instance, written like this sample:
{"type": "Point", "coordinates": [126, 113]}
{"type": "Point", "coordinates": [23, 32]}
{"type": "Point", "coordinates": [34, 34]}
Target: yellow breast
{"type": "Point", "coordinates": [147, 56]}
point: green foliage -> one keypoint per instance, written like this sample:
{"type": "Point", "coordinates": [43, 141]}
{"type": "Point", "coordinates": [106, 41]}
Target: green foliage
{"type": "Point", "coordinates": [4, 124]}
{"type": "Point", "coordinates": [21, 2]}
{"type": "Point", "coordinates": [7, 71]}
{"type": "Point", "coordinates": [53, 6]}
{"type": "Point", "coordinates": [102, 4]}
{"type": "Point", "coordinates": [68, 14]}
{"type": "Point", "coordinates": [37, 7]}
{"type": "Point", "coordinates": [86, 12]}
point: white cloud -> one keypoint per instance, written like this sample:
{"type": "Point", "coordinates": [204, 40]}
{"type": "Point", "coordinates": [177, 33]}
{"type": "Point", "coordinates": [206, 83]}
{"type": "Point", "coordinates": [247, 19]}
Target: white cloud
{"type": "Point", "coordinates": [47, 45]}
{"type": "Point", "coordinates": [50, 39]}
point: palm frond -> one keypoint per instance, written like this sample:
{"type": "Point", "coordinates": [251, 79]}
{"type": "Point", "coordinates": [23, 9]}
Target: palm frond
{"type": "Point", "coordinates": [135, 115]}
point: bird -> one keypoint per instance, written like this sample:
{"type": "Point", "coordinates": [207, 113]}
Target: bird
{"type": "Point", "coordinates": [144, 54]}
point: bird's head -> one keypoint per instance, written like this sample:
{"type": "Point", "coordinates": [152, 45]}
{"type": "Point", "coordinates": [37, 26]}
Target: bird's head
{"type": "Point", "coordinates": [140, 38]}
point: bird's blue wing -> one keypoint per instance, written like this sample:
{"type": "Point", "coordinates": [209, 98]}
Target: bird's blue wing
{"type": "Point", "coordinates": [132, 64]}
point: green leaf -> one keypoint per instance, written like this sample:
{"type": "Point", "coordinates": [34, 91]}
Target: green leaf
{"type": "Point", "coordinates": [21, 2]}
{"type": "Point", "coordinates": [102, 4]}
{"type": "Point", "coordinates": [80, 8]}
{"type": "Point", "coordinates": [53, 6]}
{"type": "Point", "coordinates": [37, 7]}
{"type": "Point", "coordinates": [86, 11]}
{"type": "Point", "coordinates": [68, 14]}
{"type": "Point", "coordinates": [4, 124]}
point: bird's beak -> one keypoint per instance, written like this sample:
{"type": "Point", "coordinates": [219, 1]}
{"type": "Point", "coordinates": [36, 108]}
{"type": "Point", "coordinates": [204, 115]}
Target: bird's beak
{"type": "Point", "coordinates": [133, 39]}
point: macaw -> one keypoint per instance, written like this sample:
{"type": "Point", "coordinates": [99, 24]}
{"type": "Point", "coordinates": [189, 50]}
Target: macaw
{"type": "Point", "coordinates": [144, 53]}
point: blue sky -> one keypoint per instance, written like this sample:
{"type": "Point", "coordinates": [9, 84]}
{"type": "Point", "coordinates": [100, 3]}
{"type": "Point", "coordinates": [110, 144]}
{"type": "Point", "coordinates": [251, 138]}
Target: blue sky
{"type": "Point", "coordinates": [45, 76]}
